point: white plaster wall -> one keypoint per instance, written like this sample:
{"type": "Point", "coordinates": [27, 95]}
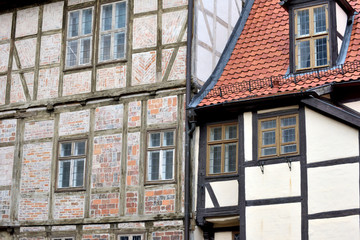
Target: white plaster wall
{"type": "Point", "coordinates": [280, 222]}
{"type": "Point", "coordinates": [353, 105]}
{"type": "Point", "coordinates": [277, 181]}
{"type": "Point", "coordinates": [339, 42]}
{"type": "Point", "coordinates": [214, 22]}
{"type": "Point", "coordinates": [342, 228]}
{"type": "Point", "coordinates": [208, 201]}
{"type": "Point", "coordinates": [197, 234]}
{"type": "Point", "coordinates": [248, 147]}
{"type": "Point", "coordinates": [226, 192]}
{"type": "Point", "coordinates": [341, 20]}
{"type": "Point", "coordinates": [329, 139]}
{"type": "Point", "coordinates": [333, 188]}
{"type": "Point", "coordinates": [223, 236]}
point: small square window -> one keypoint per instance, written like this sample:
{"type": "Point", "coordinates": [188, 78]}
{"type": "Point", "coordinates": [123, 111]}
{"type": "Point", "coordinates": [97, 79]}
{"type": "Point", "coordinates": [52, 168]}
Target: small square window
{"type": "Point", "coordinates": [278, 136]}
{"type": "Point", "coordinates": [161, 155]}
{"type": "Point", "coordinates": [222, 149]}
{"type": "Point", "coordinates": [71, 164]}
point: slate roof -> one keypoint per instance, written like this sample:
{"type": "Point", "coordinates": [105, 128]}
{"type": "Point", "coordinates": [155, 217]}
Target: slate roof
{"type": "Point", "coordinates": [258, 61]}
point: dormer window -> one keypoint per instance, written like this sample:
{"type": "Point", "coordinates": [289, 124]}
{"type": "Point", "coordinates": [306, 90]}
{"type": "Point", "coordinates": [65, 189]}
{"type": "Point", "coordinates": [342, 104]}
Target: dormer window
{"type": "Point", "coordinates": [311, 37]}
{"type": "Point", "coordinates": [319, 33]}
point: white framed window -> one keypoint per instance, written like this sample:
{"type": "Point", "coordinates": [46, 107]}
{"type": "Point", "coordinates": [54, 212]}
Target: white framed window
{"type": "Point", "coordinates": [161, 155]}
{"type": "Point", "coordinates": [79, 37]}
{"type": "Point", "coordinates": [71, 164]}
{"type": "Point", "coordinates": [131, 237]}
{"type": "Point", "coordinates": [112, 31]}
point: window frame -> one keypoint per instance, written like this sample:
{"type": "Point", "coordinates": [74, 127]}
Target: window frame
{"type": "Point", "coordinates": [71, 158]}
{"type": "Point", "coordinates": [311, 37]}
{"type": "Point", "coordinates": [79, 38]}
{"type": "Point", "coordinates": [161, 148]}
{"type": "Point", "coordinates": [223, 142]}
{"type": "Point", "coordinates": [278, 136]}
{"type": "Point", "coordinates": [142, 235]}
{"type": "Point", "coordinates": [113, 31]}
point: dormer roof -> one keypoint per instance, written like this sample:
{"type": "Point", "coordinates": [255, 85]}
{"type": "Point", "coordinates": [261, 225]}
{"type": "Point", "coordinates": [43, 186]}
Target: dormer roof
{"type": "Point", "coordinates": [255, 62]}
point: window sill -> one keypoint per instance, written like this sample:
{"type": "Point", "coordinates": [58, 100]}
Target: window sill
{"type": "Point", "coordinates": [159, 182]}
{"type": "Point", "coordinates": [109, 62]}
{"type": "Point", "coordinates": [61, 190]}
{"type": "Point", "coordinates": [77, 68]}
{"type": "Point", "coordinates": [222, 176]}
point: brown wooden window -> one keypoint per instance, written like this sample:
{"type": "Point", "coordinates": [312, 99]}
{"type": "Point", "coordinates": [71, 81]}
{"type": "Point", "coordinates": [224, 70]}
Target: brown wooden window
{"type": "Point", "coordinates": [161, 155]}
{"type": "Point", "coordinates": [71, 164]}
{"type": "Point", "coordinates": [311, 37]}
{"type": "Point", "coordinates": [278, 136]}
{"type": "Point", "coordinates": [222, 149]}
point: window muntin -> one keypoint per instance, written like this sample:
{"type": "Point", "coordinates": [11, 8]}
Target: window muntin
{"type": "Point", "coordinates": [71, 164]}
{"type": "Point", "coordinates": [222, 149]}
{"type": "Point", "coordinates": [278, 136]}
{"type": "Point", "coordinates": [112, 31]}
{"type": "Point", "coordinates": [131, 237]}
{"type": "Point", "coordinates": [161, 155]}
{"type": "Point", "coordinates": [311, 37]}
{"type": "Point", "coordinates": [79, 37]}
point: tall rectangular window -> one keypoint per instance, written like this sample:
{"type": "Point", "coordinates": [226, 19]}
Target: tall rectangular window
{"type": "Point", "coordinates": [71, 164]}
{"type": "Point", "coordinates": [112, 31]}
{"type": "Point", "coordinates": [161, 155]}
{"type": "Point", "coordinates": [79, 37]}
{"type": "Point", "coordinates": [278, 136]}
{"type": "Point", "coordinates": [222, 149]}
{"type": "Point", "coordinates": [311, 37]}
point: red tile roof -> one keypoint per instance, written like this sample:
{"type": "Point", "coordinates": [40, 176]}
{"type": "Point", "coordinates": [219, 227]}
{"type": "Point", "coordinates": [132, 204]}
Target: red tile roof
{"type": "Point", "coordinates": [261, 56]}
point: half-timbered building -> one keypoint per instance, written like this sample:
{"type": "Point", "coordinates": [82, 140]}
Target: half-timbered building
{"type": "Point", "coordinates": [277, 126]}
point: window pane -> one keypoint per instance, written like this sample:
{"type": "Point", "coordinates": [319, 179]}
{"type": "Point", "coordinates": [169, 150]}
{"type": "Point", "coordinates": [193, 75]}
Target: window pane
{"type": "Point", "coordinates": [215, 133]}
{"type": "Point", "coordinates": [79, 148]}
{"type": "Point", "coordinates": [215, 159]}
{"type": "Point", "coordinates": [78, 174]}
{"type": "Point", "coordinates": [154, 139]}
{"type": "Point", "coordinates": [268, 124]}
{"type": "Point", "coordinates": [303, 22]}
{"type": "Point", "coordinates": [136, 238]}
{"type": "Point", "coordinates": [74, 24]}
{"type": "Point", "coordinates": [120, 18]}
{"type": "Point", "coordinates": [119, 46]}
{"type": "Point", "coordinates": [124, 238]}
{"type": "Point", "coordinates": [268, 151]}
{"type": "Point", "coordinates": [230, 157]}
{"type": "Point", "coordinates": [320, 20]}
{"type": "Point", "coordinates": [153, 170]}
{"type": "Point", "coordinates": [65, 149]}
{"type": "Point", "coordinates": [288, 135]}
{"type": "Point", "coordinates": [268, 138]}
{"type": "Point", "coordinates": [168, 139]}
{"type": "Point", "coordinates": [85, 51]}
{"type": "Point", "coordinates": [64, 174]}
{"type": "Point", "coordinates": [106, 17]}
{"type": "Point", "coordinates": [288, 121]}
{"type": "Point", "coordinates": [86, 21]}
{"type": "Point", "coordinates": [72, 53]}
{"type": "Point", "coordinates": [304, 54]}
{"type": "Point", "coordinates": [288, 149]}
{"type": "Point", "coordinates": [167, 167]}
{"type": "Point", "coordinates": [230, 132]}
{"type": "Point", "coordinates": [105, 47]}
{"type": "Point", "coordinates": [321, 52]}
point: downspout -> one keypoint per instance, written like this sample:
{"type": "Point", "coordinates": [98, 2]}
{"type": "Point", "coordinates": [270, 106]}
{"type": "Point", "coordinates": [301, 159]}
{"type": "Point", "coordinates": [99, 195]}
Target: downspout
{"type": "Point", "coordinates": [187, 123]}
